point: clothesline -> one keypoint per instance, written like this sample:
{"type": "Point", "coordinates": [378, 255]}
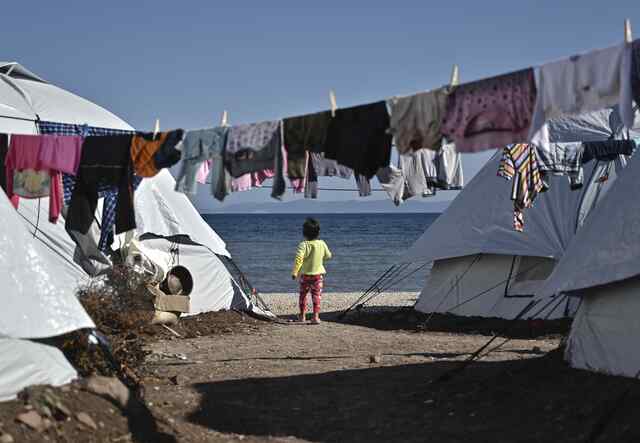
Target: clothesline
{"type": "Point", "coordinates": [326, 189]}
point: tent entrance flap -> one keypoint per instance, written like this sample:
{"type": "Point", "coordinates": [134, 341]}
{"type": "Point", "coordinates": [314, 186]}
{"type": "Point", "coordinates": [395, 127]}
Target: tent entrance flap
{"type": "Point", "coordinates": [527, 274]}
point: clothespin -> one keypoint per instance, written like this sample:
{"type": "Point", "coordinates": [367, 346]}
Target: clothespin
{"type": "Point", "coordinates": [455, 76]}
{"type": "Point", "coordinates": [224, 121]}
{"type": "Point", "coordinates": [628, 37]}
{"type": "Point", "coordinates": [333, 102]}
{"type": "Point", "coordinates": [156, 129]}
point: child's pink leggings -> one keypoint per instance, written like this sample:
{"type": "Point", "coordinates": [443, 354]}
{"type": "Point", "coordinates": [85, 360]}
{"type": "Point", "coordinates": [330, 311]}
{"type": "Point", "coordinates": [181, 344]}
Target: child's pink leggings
{"type": "Point", "coordinates": [313, 284]}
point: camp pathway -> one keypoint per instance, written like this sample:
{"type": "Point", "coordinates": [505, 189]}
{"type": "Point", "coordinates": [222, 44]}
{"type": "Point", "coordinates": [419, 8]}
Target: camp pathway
{"type": "Point", "coordinates": [329, 382]}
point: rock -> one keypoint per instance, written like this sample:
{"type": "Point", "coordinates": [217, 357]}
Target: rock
{"type": "Point", "coordinates": [108, 387]}
{"type": "Point", "coordinates": [376, 358]}
{"type": "Point", "coordinates": [6, 438]}
{"type": "Point", "coordinates": [86, 420]}
{"type": "Point", "coordinates": [32, 419]}
{"type": "Point", "coordinates": [179, 380]}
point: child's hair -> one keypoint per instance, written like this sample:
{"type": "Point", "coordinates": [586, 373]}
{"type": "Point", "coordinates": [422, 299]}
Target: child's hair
{"type": "Point", "coordinates": [311, 229]}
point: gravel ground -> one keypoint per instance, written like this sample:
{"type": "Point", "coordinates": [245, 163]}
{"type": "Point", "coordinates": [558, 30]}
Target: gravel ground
{"type": "Point", "coordinates": [287, 303]}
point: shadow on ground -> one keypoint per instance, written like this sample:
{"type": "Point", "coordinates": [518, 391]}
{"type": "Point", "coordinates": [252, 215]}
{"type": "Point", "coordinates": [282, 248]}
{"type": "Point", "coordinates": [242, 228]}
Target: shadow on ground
{"type": "Point", "coordinates": [387, 318]}
{"type": "Point", "coordinates": [533, 400]}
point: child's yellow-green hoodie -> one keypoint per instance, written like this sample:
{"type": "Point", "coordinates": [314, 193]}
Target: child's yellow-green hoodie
{"type": "Point", "coordinates": [310, 258]}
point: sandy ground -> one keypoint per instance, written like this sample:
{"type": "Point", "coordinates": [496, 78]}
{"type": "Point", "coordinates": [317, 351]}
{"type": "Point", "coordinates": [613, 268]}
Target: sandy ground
{"type": "Point", "coordinates": [378, 375]}
{"type": "Point", "coordinates": [287, 303]}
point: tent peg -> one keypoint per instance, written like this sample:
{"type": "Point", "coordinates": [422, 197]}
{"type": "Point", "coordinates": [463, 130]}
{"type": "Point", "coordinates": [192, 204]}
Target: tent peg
{"type": "Point", "coordinates": [455, 76]}
{"type": "Point", "coordinates": [333, 102]}
{"type": "Point", "coordinates": [628, 37]}
{"type": "Point", "coordinates": [224, 121]}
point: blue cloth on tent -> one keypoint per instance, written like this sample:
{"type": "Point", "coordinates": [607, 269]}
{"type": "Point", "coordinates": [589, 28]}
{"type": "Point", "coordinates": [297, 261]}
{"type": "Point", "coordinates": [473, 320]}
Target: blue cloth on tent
{"type": "Point", "coordinates": [109, 194]}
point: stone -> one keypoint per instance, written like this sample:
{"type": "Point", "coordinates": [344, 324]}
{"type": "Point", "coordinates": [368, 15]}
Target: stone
{"type": "Point", "coordinates": [179, 380]}
{"type": "Point", "coordinates": [86, 420]}
{"type": "Point", "coordinates": [6, 438]}
{"type": "Point", "coordinates": [32, 419]}
{"type": "Point", "coordinates": [376, 358]}
{"type": "Point", "coordinates": [109, 387]}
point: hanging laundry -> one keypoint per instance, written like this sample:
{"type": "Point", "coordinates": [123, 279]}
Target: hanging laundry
{"type": "Point", "coordinates": [252, 147]}
{"type": "Point", "coordinates": [152, 152]}
{"type": "Point", "coordinates": [607, 150]}
{"type": "Point", "coordinates": [392, 180]}
{"type": "Point", "coordinates": [364, 185]}
{"type": "Point", "coordinates": [200, 148]}
{"type": "Point", "coordinates": [61, 152]}
{"type": "Point", "coordinates": [635, 71]}
{"type": "Point", "coordinates": [4, 148]}
{"type": "Point", "coordinates": [203, 172]}
{"type": "Point", "coordinates": [255, 179]}
{"type": "Point", "coordinates": [519, 163]}
{"type": "Point", "coordinates": [416, 119]}
{"type": "Point", "coordinates": [490, 113]}
{"type": "Point", "coordinates": [297, 185]}
{"type": "Point", "coordinates": [311, 180]}
{"type": "Point", "coordinates": [581, 84]}
{"type": "Point", "coordinates": [109, 196]}
{"type": "Point", "coordinates": [326, 167]}
{"type": "Point", "coordinates": [106, 160]}
{"type": "Point", "coordinates": [257, 147]}
{"type": "Point", "coordinates": [302, 134]}
{"type": "Point", "coordinates": [357, 138]}
{"type": "Point", "coordinates": [422, 173]}
{"type": "Point", "coordinates": [27, 177]}
{"type": "Point", "coordinates": [448, 164]}
{"type": "Point", "coordinates": [251, 180]}
{"type": "Point", "coordinates": [320, 166]}
{"type": "Point", "coordinates": [562, 159]}
{"type": "Point", "coordinates": [87, 253]}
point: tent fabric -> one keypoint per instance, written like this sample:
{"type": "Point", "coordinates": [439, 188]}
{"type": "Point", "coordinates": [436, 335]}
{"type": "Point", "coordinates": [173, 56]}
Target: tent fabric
{"type": "Point", "coordinates": [173, 213]}
{"type": "Point", "coordinates": [39, 298]}
{"type": "Point", "coordinates": [480, 221]}
{"type": "Point", "coordinates": [25, 363]}
{"type": "Point", "coordinates": [475, 286]}
{"type": "Point", "coordinates": [44, 101]}
{"type": "Point", "coordinates": [595, 126]}
{"type": "Point", "coordinates": [605, 332]}
{"type": "Point", "coordinates": [606, 249]}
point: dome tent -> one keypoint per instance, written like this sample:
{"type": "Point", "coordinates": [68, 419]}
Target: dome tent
{"type": "Point", "coordinates": [601, 269]}
{"type": "Point", "coordinates": [159, 209]}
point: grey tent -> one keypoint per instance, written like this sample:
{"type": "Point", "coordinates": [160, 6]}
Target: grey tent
{"type": "Point", "coordinates": [481, 266]}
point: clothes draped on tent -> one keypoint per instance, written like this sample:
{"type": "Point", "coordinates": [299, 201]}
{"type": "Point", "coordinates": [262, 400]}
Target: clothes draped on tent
{"type": "Point", "coordinates": [581, 84]}
{"type": "Point", "coordinates": [520, 164]}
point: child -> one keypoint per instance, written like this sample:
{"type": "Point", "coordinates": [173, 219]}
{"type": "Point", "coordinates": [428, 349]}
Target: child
{"type": "Point", "coordinates": [309, 262]}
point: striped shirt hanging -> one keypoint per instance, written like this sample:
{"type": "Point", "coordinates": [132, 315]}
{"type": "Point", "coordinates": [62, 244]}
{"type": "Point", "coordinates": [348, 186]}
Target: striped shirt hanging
{"type": "Point", "coordinates": [520, 164]}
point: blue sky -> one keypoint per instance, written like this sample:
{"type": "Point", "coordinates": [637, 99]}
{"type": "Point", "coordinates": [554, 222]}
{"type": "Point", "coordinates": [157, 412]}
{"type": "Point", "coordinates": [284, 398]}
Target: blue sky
{"type": "Point", "coordinates": [184, 62]}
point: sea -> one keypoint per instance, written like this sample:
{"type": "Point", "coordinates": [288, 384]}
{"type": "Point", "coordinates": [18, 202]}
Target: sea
{"type": "Point", "coordinates": [364, 246]}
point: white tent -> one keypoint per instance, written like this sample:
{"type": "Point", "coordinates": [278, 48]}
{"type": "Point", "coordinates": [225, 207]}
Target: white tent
{"type": "Point", "coordinates": [601, 268]}
{"type": "Point", "coordinates": [481, 266]}
{"type": "Point", "coordinates": [39, 301]}
{"type": "Point", "coordinates": [25, 363]}
{"type": "Point", "coordinates": [37, 257]}
{"type": "Point", "coordinates": [159, 209]}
